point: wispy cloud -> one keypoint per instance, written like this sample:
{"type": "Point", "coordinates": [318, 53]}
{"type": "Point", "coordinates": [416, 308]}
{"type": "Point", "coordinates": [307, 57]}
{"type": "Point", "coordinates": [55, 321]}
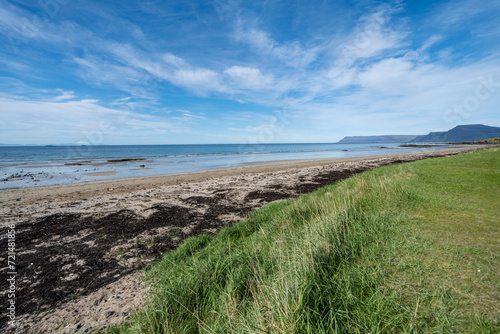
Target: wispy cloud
{"type": "Point", "coordinates": [421, 95]}
{"type": "Point", "coordinates": [73, 121]}
{"type": "Point", "coordinates": [249, 77]}
{"type": "Point", "coordinates": [188, 116]}
{"type": "Point", "coordinates": [65, 95]}
{"type": "Point", "coordinates": [292, 53]}
{"type": "Point", "coordinates": [457, 12]}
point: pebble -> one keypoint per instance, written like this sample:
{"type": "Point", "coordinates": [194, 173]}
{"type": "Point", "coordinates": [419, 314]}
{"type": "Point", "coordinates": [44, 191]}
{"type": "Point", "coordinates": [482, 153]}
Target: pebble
{"type": "Point", "coordinates": [109, 313]}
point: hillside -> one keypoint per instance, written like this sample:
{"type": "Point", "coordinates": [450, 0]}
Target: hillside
{"type": "Point", "coordinates": [460, 133]}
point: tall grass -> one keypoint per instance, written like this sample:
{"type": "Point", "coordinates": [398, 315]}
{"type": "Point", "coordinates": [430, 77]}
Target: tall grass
{"type": "Point", "coordinates": [348, 258]}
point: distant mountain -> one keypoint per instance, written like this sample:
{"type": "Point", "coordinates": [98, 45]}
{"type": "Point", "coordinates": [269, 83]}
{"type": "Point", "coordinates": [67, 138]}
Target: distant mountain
{"type": "Point", "coordinates": [460, 133]}
{"type": "Point", "coordinates": [376, 139]}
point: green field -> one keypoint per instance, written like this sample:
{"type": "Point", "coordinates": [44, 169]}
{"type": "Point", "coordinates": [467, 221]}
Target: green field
{"type": "Point", "coordinates": [408, 248]}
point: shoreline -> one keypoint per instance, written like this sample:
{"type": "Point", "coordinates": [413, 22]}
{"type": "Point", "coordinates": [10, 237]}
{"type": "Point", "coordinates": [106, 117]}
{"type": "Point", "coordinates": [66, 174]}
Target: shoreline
{"type": "Point", "coordinates": [27, 195]}
{"type": "Point", "coordinates": [70, 171]}
{"type": "Point", "coordinates": [91, 240]}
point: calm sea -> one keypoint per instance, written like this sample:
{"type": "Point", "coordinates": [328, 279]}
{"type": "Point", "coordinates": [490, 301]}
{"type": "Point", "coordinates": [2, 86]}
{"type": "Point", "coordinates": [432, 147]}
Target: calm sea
{"type": "Point", "coordinates": [26, 166]}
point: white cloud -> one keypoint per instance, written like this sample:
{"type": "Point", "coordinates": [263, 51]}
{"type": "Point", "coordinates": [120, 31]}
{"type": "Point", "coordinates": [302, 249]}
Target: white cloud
{"type": "Point", "coordinates": [65, 95]}
{"type": "Point", "coordinates": [145, 71]}
{"type": "Point", "coordinates": [98, 72]}
{"type": "Point", "coordinates": [197, 79]}
{"type": "Point", "coordinates": [72, 121]}
{"type": "Point", "coordinates": [17, 65]}
{"type": "Point", "coordinates": [406, 94]}
{"type": "Point", "coordinates": [434, 39]}
{"type": "Point", "coordinates": [340, 77]}
{"type": "Point", "coordinates": [460, 12]}
{"type": "Point", "coordinates": [291, 53]}
{"type": "Point", "coordinates": [391, 75]}
{"type": "Point", "coordinates": [372, 37]}
{"type": "Point", "coordinates": [249, 77]}
{"type": "Point", "coordinates": [174, 60]}
{"type": "Point", "coordinates": [188, 116]}
{"type": "Point", "coordinates": [16, 26]}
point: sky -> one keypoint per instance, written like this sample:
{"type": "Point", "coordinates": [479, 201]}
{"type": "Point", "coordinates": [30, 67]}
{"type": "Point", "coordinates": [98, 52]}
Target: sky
{"type": "Point", "coordinates": [234, 71]}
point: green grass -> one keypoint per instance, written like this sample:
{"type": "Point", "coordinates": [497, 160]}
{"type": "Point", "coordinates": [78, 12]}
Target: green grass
{"type": "Point", "coordinates": [409, 248]}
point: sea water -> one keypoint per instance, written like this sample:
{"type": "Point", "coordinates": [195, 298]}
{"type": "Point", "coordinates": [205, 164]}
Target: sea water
{"type": "Point", "coordinates": [27, 166]}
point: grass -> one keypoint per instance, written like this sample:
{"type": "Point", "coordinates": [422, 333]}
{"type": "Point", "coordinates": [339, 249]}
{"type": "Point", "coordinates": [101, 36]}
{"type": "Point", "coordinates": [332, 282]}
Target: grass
{"type": "Point", "coordinates": [410, 248]}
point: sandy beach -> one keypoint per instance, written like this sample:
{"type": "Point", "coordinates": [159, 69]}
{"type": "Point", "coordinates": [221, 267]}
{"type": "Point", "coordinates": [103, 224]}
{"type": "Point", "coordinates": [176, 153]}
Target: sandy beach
{"type": "Point", "coordinates": [80, 247]}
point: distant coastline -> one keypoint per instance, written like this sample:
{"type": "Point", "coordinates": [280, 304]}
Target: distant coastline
{"type": "Point", "coordinates": [459, 134]}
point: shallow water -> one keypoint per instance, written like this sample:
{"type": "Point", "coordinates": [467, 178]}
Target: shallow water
{"type": "Point", "coordinates": [28, 166]}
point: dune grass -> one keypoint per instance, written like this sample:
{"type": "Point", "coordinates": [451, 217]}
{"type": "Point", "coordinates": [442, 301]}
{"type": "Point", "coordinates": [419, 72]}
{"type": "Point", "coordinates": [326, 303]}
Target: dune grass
{"type": "Point", "coordinates": [410, 248]}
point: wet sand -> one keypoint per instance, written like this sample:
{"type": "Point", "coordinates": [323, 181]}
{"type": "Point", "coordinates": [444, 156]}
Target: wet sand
{"type": "Point", "coordinates": [80, 247]}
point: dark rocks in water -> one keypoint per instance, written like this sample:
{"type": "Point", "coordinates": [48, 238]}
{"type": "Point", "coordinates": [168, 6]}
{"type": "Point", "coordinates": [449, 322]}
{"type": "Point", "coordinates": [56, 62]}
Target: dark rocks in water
{"type": "Point", "coordinates": [125, 160]}
{"type": "Point", "coordinates": [418, 145]}
{"type": "Point", "coordinates": [20, 176]}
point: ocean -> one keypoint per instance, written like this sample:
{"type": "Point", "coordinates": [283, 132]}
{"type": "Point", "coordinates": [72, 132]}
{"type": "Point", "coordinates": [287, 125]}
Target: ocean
{"type": "Point", "coordinates": [29, 166]}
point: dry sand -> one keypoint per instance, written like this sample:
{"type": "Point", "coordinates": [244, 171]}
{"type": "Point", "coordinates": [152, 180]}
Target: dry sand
{"type": "Point", "coordinates": [79, 247]}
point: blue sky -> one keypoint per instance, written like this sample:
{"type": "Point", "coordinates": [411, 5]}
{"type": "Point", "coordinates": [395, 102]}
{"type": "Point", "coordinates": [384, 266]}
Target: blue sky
{"type": "Point", "coordinates": [233, 71]}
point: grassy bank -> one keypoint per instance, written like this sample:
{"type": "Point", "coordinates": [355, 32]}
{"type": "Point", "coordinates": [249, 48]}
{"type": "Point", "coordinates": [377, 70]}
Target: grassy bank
{"type": "Point", "coordinates": [404, 248]}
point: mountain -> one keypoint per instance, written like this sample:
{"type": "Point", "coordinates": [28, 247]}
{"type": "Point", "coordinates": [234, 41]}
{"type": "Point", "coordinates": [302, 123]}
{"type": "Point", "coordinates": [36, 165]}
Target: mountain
{"type": "Point", "coordinates": [460, 133]}
{"type": "Point", "coordinates": [376, 139]}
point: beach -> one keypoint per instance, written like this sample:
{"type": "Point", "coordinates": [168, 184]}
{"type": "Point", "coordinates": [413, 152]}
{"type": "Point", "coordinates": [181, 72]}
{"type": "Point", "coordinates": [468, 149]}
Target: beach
{"type": "Point", "coordinates": [80, 247]}
{"type": "Point", "coordinates": [39, 166]}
